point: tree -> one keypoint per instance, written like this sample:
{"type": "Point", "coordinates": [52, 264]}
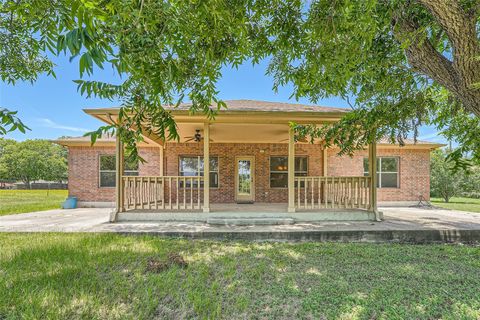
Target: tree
{"type": "Point", "coordinates": [398, 63]}
{"type": "Point", "coordinates": [29, 30]}
{"type": "Point", "coordinates": [4, 143]}
{"type": "Point", "coordinates": [26, 29]}
{"type": "Point", "coordinates": [405, 63]}
{"type": "Point", "coordinates": [447, 182]}
{"type": "Point", "coordinates": [443, 182]}
{"type": "Point", "coordinates": [470, 186]}
{"type": "Point", "coordinates": [32, 160]}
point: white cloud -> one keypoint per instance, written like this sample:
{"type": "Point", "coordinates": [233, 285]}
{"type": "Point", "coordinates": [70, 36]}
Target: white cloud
{"type": "Point", "coordinates": [51, 124]}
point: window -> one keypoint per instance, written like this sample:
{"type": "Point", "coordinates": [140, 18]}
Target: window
{"type": "Point", "coordinates": [192, 166]}
{"type": "Point", "coordinates": [279, 170]}
{"type": "Point", "coordinates": [107, 170]}
{"type": "Point", "coordinates": [387, 171]}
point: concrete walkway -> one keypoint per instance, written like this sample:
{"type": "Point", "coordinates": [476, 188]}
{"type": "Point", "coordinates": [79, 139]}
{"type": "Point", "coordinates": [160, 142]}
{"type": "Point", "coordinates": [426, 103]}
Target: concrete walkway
{"type": "Point", "coordinates": [401, 224]}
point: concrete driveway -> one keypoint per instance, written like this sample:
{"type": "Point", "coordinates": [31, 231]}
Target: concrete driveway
{"type": "Point", "coordinates": [96, 220]}
{"type": "Point", "coordinates": [76, 220]}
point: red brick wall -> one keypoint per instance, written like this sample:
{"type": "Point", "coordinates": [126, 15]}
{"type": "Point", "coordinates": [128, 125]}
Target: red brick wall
{"type": "Point", "coordinates": [83, 171]}
{"type": "Point", "coordinates": [227, 152]}
{"type": "Point", "coordinates": [414, 169]}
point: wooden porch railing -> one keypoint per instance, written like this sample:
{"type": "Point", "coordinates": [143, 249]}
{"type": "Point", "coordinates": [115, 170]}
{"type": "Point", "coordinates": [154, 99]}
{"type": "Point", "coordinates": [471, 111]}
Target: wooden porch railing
{"type": "Point", "coordinates": [162, 192]}
{"type": "Point", "coordinates": [186, 193]}
{"type": "Point", "coordinates": [332, 192]}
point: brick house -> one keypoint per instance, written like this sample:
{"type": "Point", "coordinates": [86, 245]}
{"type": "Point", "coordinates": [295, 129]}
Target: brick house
{"type": "Point", "coordinates": [253, 158]}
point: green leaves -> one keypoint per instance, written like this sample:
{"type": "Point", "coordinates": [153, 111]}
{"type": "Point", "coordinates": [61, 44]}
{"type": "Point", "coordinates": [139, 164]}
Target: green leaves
{"type": "Point", "coordinates": [10, 122]}
{"type": "Point", "coordinates": [168, 52]}
{"type": "Point", "coordinates": [85, 64]}
{"type": "Point", "coordinates": [32, 160]}
{"type": "Point", "coordinates": [24, 37]}
{"type": "Point", "coordinates": [446, 180]}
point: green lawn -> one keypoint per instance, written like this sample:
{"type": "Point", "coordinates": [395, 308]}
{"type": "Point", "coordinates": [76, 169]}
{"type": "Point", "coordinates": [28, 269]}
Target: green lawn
{"type": "Point", "coordinates": [457, 203]}
{"type": "Point", "coordinates": [19, 201]}
{"type": "Point", "coordinates": [105, 276]}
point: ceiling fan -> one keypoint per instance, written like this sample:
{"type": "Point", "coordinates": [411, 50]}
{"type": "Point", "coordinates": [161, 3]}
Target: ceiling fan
{"type": "Point", "coordinates": [197, 137]}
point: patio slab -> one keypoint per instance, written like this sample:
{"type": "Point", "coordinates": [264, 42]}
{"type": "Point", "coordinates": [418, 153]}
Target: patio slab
{"type": "Point", "coordinates": [401, 224]}
{"type": "Point", "coordinates": [273, 212]}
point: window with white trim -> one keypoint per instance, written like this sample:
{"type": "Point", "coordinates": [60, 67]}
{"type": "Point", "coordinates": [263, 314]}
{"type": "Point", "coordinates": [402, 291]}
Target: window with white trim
{"type": "Point", "coordinates": [279, 170]}
{"type": "Point", "coordinates": [107, 170]}
{"type": "Point", "coordinates": [387, 171]}
{"type": "Point", "coordinates": [192, 166]}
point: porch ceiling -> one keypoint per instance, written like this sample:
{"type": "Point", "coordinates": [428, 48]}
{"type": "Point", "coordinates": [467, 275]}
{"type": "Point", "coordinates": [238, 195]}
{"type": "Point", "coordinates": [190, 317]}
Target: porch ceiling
{"type": "Point", "coordinates": [248, 127]}
{"type": "Point", "coordinates": [251, 130]}
{"type": "Point", "coordinates": [237, 133]}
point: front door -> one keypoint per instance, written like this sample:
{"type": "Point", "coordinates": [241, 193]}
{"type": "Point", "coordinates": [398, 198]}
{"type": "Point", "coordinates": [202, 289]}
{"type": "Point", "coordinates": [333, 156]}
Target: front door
{"type": "Point", "coordinates": [244, 179]}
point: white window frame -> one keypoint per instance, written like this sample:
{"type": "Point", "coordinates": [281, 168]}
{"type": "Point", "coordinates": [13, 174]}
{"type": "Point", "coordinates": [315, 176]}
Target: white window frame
{"type": "Point", "coordinates": [285, 172]}
{"type": "Point", "coordinates": [379, 172]}
{"type": "Point", "coordinates": [198, 173]}
{"type": "Point", "coordinates": [100, 170]}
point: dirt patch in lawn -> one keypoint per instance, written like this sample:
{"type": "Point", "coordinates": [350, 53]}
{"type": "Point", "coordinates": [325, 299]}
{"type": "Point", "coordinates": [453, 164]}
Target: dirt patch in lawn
{"type": "Point", "coordinates": [156, 265]}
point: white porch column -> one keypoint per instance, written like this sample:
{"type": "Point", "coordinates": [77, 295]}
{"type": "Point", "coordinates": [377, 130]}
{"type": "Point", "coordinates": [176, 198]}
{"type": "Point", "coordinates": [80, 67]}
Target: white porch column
{"type": "Point", "coordinates": [372, 169]}
{"type": "Point", "coordinates": [325, 162]}
{"type": "Point", "coordinates": [291, 170]}
{"type": "Point", "coordinates": [206, 167]}
{"type": "Point", "coordinates": [162, 173]}
{"type": "Point", "coordinates": [161, 161]}
{"type": "Point", "coordinates": [119, 156]}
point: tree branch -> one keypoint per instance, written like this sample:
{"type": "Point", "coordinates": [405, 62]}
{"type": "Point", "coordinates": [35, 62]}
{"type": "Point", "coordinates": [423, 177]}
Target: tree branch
{"type": "Point", "coordinates": [458, 75]}
{"type": "Point", "coordinates": [422, 56]}
{"type": "Point", "coordinates": [460, 27]}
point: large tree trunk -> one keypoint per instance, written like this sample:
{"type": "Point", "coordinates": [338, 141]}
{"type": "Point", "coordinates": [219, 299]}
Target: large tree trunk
{"type": "Point", "coordinates": [462, 72]}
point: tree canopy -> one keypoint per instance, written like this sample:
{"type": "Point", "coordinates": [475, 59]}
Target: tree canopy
{"type": "Point", "coordinates": [27, 28]}
{"type": "Point", "coordinates": [399, 64]}
{"type": "Point", "coordinates": [447, 185]}
{"type": "Point", "coordinates": [32, 160]}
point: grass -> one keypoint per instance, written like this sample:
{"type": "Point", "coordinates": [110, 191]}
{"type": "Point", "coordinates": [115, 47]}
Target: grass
{"type": "Point", "coordinates": [457, 203]}
{"type": "Point", "coordinates": [20, 201]}
{"type": "Point", "coordinates": [105, 276]}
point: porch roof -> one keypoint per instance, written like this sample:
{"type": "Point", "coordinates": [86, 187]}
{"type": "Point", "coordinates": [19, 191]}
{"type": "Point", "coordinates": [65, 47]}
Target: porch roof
{"type": "Point", "coordinates": [243, 121]}
{"type": "Point", "coordinates": [245, 105]}
{"type": "Point", "coordinates": [243, 112]}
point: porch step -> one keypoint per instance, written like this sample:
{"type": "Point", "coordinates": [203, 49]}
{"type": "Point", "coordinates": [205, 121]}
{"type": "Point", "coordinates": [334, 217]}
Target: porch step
{"type": "Point", "coordinates": [248, 221]}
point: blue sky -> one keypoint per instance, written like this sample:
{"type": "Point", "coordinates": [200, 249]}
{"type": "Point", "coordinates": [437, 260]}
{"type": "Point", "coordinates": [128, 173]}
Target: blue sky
{"type": "Point", "coordinates": [53, 107]}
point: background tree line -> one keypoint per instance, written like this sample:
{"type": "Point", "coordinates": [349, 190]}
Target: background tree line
{"type": "Point", "coordinates": [32, 160]}
{"type": "Point", "coordinates": [446, 182]}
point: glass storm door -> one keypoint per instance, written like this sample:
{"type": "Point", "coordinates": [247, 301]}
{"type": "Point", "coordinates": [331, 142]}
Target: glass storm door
{"type": "Point", "coordinates": [244, 179]}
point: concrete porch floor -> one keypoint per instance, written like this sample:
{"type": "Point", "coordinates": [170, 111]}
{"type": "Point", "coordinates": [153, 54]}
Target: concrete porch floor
{"type": "Point", "coordinates": [401, 224]}
{"type": "Point", "coordinates": [271, 213]}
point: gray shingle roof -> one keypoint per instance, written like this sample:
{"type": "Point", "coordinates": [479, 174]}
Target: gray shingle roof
{"type": "Point", "coordinates": [406, 141]}
{"type": "Point", "coordinates": [266, 106]}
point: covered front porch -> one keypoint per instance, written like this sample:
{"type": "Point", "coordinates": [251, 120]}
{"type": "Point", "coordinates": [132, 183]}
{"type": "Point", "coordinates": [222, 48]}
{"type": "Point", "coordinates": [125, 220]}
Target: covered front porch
{"type": "Point", "coordinates": [313, 194]}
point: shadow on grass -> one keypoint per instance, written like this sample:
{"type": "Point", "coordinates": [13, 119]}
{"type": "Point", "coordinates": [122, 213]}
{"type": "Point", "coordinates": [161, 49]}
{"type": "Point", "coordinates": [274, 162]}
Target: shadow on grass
{"type": "Point", "coordinates": [105, 276]}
